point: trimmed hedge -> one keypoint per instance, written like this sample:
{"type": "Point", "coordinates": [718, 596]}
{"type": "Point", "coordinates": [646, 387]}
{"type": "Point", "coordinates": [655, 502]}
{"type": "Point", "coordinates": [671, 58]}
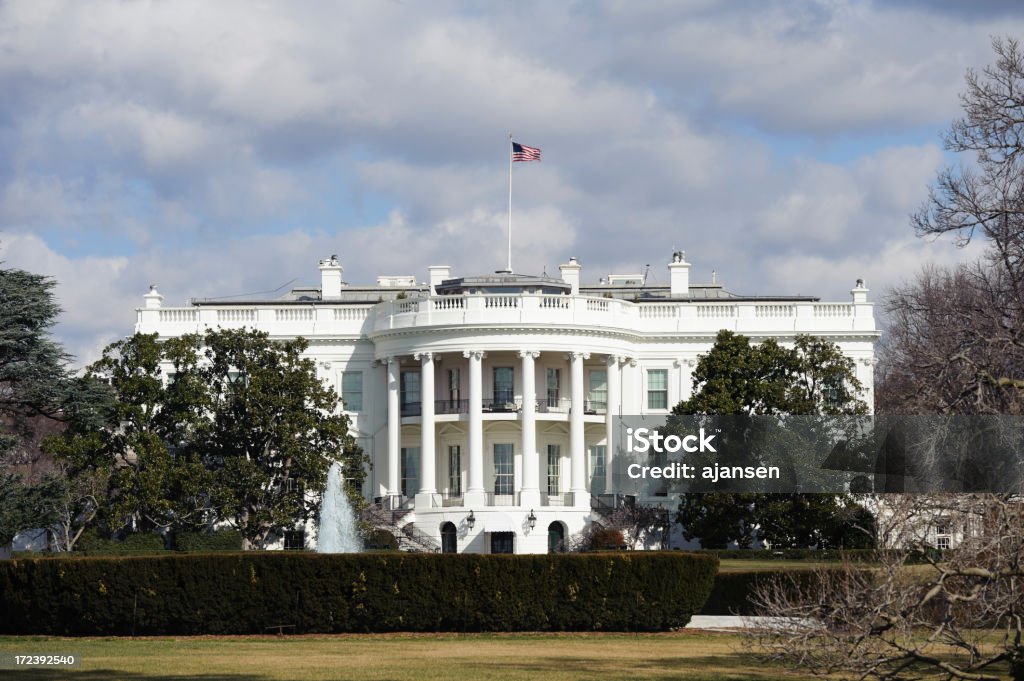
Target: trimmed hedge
{"type": "Point", "coordinates": [201, 542]}
{"type": "Point", "coordinates": [143, 542]}
{"type": "Point", "coordinates": [852, 555]}
{"type": "Point", "coordinates": [247, 593]}
{"type": "Point", "coordinates": [731, 592]}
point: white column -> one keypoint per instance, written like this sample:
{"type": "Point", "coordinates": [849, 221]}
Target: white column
{"type": "Point", "coordinates": [614, 400]}
{"type": "Point", "coordinates": [577, 460]}
{"type": "Point", "coordinates": [475, 495]}
{"type": "Point", "coordinates": [428, 461]}
{"type": "Point", "coordinates": [530, 494]}
{"type": "Point", "coordinates": [394, 427]}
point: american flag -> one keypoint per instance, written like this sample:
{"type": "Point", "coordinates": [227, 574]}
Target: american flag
{"type": "Point", "coordinates": [521, 152]}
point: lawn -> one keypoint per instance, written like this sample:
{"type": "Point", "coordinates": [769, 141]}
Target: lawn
{"type": "Point", "coordinates": [428, 657]}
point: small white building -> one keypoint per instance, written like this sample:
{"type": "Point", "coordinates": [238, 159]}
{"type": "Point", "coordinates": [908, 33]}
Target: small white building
{"type": "Point", "coordinates": [487, 403]}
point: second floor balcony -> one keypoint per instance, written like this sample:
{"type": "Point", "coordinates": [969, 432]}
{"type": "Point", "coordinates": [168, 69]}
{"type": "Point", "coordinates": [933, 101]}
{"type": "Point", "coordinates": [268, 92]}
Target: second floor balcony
{"type": "Point", "coordinates": [511, 406]}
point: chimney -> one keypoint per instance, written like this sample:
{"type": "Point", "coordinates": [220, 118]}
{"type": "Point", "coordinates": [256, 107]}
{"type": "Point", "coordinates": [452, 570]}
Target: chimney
{"type": "Point", "coordinates": [679, 275]}
{"type": "Point", "coordinates": [859, 292]}
{"type": "Point", "coordinates": [571, 274]}
{"type": "Point", "coordinates": [438, 273]}
{"type": "Point", "coordinates": [153, 298]}
{"type": "Point", "coordinates": [330, 278]}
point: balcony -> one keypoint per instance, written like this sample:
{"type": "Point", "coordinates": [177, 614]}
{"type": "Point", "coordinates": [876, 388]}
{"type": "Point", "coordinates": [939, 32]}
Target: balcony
{"type": "Point", "coordinates": [451, 406]}
{"type": "Point", "coordinates": [494, 499]}
{"type": "Point", "coordinates": [554, 405]}
{"type": "Point", "coordinates": [502, 405]}
{"type": "Point", "coordinates": [509, 310]}
{"type": "Point", "coordinates": [449, 499]}
{"type": "Point", "coordinates": [557, 408]}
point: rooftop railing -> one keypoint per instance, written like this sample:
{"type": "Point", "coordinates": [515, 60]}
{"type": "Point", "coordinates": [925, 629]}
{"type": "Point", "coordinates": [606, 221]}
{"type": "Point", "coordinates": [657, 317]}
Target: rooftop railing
{"type": "Point", "coordinates": [643, 316]}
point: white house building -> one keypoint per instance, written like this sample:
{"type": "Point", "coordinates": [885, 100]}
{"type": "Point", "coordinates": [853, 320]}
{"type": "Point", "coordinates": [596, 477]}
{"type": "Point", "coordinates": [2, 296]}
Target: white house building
{"type": "Point", "coordinates": [487, 403]}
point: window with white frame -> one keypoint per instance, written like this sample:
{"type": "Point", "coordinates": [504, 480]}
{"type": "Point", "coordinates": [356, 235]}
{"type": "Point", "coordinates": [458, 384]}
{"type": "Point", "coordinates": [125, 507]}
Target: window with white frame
{"type": "Point", "coordinates": [455, 470]}
{"type": "Point", "coordinates": [554, 381]}
{"type": "Point", "coordinates": [504, 470]}
{"type": "Point", "coordinates": [410, 393]}
{"type": "Point", "coordinates": [454, 385]}
{"type": "Point", "coordinates": [597, 474]}
{"type": "Point", "coordinates": [410, 470]}
{"type": "Point", "coordinates": [352, 390]}
{"type": "Point", "coordinates": [504, 390]}
{"type": "Point", "coordinates": [554, 470]}
{"type": "Point", "coordinates": [598, 396]}
{"type": "Point", "coordinates": [657, 388]}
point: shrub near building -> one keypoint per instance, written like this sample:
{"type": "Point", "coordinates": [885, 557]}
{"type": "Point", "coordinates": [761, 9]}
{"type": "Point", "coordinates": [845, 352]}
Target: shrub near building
{"type": "Point", "coordinates": [310, 593]}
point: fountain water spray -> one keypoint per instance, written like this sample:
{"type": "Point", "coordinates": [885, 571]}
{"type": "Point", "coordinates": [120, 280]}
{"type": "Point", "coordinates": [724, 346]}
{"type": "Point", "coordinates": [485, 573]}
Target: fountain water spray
{"type": "Point", "coordinates": [338, 531]}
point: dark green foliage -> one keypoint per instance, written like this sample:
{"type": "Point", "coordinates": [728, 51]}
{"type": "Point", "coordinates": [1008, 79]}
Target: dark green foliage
{"type": "Point", "coordinates": [36, 387]}
{"type": "Point", "coordinates": [854, 555]}
{"type": "Point", "coordinates": [381, 540]}
{"type": "Point", "coordinates": [202, 542]}
{"type": "Point", "coordinates": [740, 379]}
{"type": "Point", "coordinates": [733, 591]}
{"type": "Point", "coordinates": [92, 544]}
{"type": "Point", "coordinates": [230, 426]}
{"type": "Point", "coordinates": [737, 377]}
{"type": "Point", "coordinates": [244, 593]}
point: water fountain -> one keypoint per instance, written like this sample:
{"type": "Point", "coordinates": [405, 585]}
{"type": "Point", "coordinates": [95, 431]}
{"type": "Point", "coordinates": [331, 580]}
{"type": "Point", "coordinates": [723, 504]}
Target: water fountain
{"type": "Point", "coordinates": [338, 531]}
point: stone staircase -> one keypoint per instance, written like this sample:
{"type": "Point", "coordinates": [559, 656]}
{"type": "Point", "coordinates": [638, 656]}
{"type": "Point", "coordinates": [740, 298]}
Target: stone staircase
{"type": "Point", "coordinates": [409, 537]}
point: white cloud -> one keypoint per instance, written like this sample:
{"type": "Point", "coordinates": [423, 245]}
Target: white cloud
{"type": "Point", "coordinates": [219, 148]}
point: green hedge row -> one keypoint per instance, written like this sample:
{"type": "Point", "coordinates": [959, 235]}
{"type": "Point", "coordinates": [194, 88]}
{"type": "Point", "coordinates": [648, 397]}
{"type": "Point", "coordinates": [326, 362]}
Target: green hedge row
{"type": "Point", "coordinates": [732, 591]}
{"type": "Point", "coordinates": [852, 555]}
{"type": "Point", "coordinates": [248, 593]}
{"type": "Point", "coordinates": [146, 542]}
{"type": "Point", "coordinates": [730, 594]}
{"type": "Point", "coordinates": [156, 544]}
{"type": "Point", "coordinates": [202, 542]}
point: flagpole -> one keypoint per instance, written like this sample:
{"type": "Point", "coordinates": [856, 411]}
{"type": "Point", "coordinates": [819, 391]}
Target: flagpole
{"type": "Point", "coordinates": [510, 202]}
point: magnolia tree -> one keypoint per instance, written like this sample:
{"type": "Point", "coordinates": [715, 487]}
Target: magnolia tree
{"type": "Point", "coordinates": [242, 431]}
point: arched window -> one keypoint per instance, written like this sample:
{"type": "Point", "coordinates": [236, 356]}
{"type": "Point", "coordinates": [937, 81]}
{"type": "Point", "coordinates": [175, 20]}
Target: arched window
{"type": "Point", "coordinates": [449, 538]}
{"type": "Point", "coordinates": [556, 537]}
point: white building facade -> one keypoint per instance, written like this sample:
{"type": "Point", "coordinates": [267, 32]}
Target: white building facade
{"type": "Point", "coordinates": [487, 404]}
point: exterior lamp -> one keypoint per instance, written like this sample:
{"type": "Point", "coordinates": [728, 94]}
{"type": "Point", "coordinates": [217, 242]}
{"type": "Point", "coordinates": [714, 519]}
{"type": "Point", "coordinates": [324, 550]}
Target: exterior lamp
{"type": "Point", "coordinates": [471, 520]}
{"type": "Point", "coordinates": [531, 519]}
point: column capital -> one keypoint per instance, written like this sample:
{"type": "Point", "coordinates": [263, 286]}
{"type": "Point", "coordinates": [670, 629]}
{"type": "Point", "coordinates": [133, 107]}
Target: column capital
{"type": "Point", "coordinates": [572, 356]}
{"type": "Point", "coordinates": [474, 354]}
{"type": "Point", "coordinates": [685, 362]}
{"type": "Point", "coordinates": [427, 356]}
{"type": "Point", "coordinates": [392, 359]}
{"type": "Point", "coordinates": [631, 361]}
{"type": "Point", "coordinates": [529, 353]}
{"type": "Point", "coordinates": [614, 360]}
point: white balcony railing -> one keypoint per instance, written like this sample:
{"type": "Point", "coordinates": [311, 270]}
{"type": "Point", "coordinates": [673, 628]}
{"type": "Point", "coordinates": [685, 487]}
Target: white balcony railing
{"type": "Point", "coordinates": [508, 310]}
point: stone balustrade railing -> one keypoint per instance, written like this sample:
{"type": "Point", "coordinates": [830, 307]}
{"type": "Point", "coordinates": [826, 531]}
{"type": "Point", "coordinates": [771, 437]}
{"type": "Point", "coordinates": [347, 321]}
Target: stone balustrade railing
{"type": "Point", "coordinates": [510, 310]}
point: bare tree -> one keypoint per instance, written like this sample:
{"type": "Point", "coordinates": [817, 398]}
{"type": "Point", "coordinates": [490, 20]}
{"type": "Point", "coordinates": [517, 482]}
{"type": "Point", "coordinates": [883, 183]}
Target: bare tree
{"type": "Point", "coordinates": [954, 344]}
{"type": "Point", "coordinates": [956, 337]}
{"type": "Point", "coordinates": [958, 615]}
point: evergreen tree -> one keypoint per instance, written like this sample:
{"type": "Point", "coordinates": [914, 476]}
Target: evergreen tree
{"type": "Point", "coordinates": [36, 384]}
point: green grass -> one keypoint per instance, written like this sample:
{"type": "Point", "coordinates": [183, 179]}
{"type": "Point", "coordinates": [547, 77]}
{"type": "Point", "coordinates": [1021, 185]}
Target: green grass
{"type": "Point", "coordinates": [689, 656]}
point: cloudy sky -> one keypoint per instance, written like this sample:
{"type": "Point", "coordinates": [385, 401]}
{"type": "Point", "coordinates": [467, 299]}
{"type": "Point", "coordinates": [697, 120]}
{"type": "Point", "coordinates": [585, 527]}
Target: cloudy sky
{"type": "Point", "coordinates": [223, 148]}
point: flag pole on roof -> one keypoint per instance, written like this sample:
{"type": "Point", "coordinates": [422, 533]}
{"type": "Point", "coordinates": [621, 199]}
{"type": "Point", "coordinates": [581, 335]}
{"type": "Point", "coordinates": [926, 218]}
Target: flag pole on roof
{"type": "Point", "coordinates": [511, 146]}
{"type": "Point", "coordinates": [516, 152]}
